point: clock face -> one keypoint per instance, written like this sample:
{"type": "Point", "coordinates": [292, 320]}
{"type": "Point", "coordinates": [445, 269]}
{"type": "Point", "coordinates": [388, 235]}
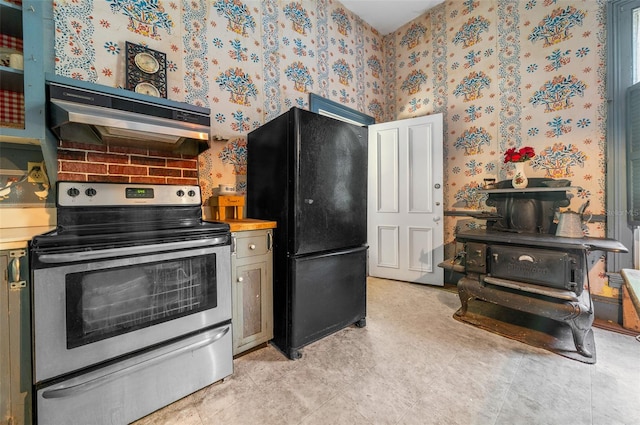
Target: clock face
{"type": "Point", "coordinates": [148, 89]}
{"type": "Point", "coordinates": [147, 63]}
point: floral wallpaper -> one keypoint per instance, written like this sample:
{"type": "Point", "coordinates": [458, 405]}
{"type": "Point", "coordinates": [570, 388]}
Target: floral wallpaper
{"type": "Point", "coordinates": [508, 73]}
{"type": "Point", "coordinates": [248, 61]}
{"type": "Point", "coordinates": [504, 73]}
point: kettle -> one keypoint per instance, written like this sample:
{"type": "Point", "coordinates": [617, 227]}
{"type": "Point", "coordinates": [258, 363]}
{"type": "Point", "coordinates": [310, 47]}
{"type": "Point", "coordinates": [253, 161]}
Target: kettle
{"type": "Point", "coordinates": [570, 223]}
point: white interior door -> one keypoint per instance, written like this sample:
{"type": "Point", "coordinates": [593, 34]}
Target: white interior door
{"type": "Point", "coordinates": [405, 211]}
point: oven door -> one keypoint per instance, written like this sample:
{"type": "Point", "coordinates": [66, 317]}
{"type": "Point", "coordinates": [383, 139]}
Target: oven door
{"type": "Point", "coordinates": [93, 306]}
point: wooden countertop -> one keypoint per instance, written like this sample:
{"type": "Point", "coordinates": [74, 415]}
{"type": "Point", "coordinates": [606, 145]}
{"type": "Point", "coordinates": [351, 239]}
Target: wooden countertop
{"type": "Point", "coordinates": [239, 225]}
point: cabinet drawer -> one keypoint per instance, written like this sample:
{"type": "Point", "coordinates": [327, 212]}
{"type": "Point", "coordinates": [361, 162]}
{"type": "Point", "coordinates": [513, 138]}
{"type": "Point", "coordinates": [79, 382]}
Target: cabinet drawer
{"type": "Point", "coordinates": [251, 246]}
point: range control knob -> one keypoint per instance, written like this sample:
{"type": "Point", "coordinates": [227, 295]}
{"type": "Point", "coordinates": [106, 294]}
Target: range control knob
{"type": "Point", "coordinates": [180, 193]}
{"type": "Point", "coordinates": [73, 192]}
{"type": "Point", "coordinates": [191, 193]}
{"type": "Point", "coordinates": [90, 192]}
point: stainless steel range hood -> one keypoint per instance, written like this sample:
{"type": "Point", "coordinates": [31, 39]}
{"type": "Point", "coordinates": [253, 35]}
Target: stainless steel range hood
{"type": "Point", "coordinates": [91, 113]}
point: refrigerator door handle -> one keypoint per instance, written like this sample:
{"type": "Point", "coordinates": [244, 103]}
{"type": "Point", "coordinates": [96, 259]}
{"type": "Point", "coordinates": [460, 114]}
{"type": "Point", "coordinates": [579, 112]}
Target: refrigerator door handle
{"type": "Point", "coordinates": [332, 253]}
{"type": "Point", "coordinates": [356, 249]}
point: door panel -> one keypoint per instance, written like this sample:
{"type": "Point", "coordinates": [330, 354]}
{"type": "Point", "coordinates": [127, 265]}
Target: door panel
{"type": "Point", "coordinates": [331, 195]}
{"type": "Point", "coordinates": [421, 249]}
{"type": "Point", "coordinates": [405, 210]}
{"type": "Point", "coordinates": [420, 176]}
{"type": "Point", "coordinates": [388, 246]}
{"type": "Point", "coordinates": [329, 294]}
{"type": "Point", "coordinates": [386, 143]}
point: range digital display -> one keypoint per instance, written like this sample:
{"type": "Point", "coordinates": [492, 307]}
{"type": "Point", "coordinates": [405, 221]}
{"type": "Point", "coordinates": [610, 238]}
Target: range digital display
{"type": "Point", "coordinates": [139, 192]}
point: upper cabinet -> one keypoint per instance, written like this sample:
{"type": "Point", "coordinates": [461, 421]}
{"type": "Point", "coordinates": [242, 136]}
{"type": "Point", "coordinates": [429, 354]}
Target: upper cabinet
{"type": "Point", "coordinates": [22, 91]}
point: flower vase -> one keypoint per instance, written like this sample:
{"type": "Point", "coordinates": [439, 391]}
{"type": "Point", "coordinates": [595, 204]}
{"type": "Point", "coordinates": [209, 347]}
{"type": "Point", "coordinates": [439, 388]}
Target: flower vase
{"type": "Point", "coordinates": [519, 180]}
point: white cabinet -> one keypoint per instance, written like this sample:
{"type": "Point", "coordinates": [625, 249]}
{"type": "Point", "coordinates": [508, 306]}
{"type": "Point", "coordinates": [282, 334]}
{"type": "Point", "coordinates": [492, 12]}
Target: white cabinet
{"type": "Point", "coordinates": [252, 288]}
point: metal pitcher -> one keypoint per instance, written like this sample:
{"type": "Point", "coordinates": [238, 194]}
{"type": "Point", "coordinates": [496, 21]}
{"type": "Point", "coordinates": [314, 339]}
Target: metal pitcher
{"type": "Point", "coordinates": [570, 223]}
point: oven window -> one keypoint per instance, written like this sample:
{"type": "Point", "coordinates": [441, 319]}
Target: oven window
{"type": "Point", "coordinates": [104, 303]}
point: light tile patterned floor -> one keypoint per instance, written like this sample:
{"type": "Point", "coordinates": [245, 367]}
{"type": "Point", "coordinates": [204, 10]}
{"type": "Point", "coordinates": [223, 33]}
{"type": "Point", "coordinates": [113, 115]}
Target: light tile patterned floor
{"type": "Point", "coordinates": [415, 364]}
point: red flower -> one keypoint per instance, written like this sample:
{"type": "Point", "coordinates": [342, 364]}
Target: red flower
{"type": "Point", "coordinates": [522, 155]}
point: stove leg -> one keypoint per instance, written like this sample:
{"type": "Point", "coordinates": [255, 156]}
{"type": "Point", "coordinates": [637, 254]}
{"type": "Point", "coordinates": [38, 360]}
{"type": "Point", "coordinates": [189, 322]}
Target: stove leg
{"type": "Point", "coordinates": [581, 323]}
{"type": "Point", "coordinates": [580, 327]}
{"type": "Point", "coordinates": [464, 295]}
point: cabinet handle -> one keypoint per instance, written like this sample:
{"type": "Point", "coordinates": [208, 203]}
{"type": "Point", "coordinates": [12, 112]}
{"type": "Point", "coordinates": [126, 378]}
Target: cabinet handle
{"type": "Point", "coordinates": [252, 246]}
{"type": "Point", "coordinates": [240, 279]}
{"type": "Point", "coordinates": [14, 269]}
{"type": "Point", "coordinates": [269, 241]}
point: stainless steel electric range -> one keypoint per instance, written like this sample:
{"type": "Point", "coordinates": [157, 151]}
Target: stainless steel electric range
{"type": "Point", "coordinates": [131, 302]}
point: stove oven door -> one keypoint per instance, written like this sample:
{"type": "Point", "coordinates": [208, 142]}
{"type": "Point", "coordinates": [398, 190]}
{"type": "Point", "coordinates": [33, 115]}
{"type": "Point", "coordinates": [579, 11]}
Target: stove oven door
{"type": "Point", "coordinates": [94, 306]}
{"type": "Point", "coordinates": [545, 267]}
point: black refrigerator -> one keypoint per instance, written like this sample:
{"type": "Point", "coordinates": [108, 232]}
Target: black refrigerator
{"type": "Point", "coordinates": [308, 172]}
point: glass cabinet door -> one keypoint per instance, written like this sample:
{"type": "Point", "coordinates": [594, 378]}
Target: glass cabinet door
{"type": "Point", "coordinates": [22, 89]}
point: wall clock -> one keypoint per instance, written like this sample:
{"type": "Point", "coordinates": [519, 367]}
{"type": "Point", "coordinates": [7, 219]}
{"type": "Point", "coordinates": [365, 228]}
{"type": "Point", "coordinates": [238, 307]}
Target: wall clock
{"type": "Point", "coordinates": [146, 70]}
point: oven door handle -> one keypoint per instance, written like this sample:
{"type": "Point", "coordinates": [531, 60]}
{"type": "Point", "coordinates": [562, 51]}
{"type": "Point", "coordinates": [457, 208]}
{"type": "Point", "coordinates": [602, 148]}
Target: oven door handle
{"type": "Point", "coordinates": [100, 380]}
{"type": "Point", "coordinates": [70, 257]}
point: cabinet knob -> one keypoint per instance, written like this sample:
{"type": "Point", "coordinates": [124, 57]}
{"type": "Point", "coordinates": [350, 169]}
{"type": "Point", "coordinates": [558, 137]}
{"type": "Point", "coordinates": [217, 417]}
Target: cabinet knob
{"type": "Point", "coordinates": [240, 279]}
{"type": "Point", "coordinates": [252, 246]}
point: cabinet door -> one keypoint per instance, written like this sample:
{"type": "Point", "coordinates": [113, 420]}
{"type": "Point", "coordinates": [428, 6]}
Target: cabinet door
{"type": "Point", "coordinates": [24, 89]}
{"type": "Point", "coordinates": [15, 338]}
{"type": "Point", "coordinates": [252, 324]}
{"type": "Point", "coordinates": [252, 289]}
{"type": "Point", "coordinates": [5, 363]}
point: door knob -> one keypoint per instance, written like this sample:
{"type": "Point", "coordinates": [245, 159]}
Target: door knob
{"type": "Point", "coordinates": [437, 185]}
{"type": "Point", "coordinates": [437, 218]}
{"type": "Point", "coordinates": [252, 246]}
{"type": "Point", "coordinates": [240, 279]}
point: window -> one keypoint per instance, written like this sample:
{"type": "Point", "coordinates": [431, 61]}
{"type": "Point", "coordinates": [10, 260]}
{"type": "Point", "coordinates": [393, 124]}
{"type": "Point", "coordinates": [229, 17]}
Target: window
{"type": "Point", "coordinates": [636, 45]}
{"type": "Point", "coordinates": [623, 70]}
{"type": "Point", "coordinates": [632, 121]}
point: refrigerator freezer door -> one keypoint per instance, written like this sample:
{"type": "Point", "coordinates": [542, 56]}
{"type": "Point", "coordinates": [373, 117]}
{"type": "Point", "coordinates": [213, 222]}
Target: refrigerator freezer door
{"type": "Point", "coordinates": [331, 186]}
{"type": "Point", "coordinates": [328, 293]}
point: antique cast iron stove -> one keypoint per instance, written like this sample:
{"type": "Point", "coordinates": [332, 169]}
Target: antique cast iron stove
{"type": "Point", "coordinates": [518, 262]}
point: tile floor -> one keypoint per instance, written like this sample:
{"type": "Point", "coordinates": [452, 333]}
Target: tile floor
{"type": "Point", "coordinates": [415, 364]}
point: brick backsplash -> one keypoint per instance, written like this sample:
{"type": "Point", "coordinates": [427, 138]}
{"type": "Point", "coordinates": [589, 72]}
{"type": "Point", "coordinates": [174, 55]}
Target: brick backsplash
{"type": "Point", "coordinates": [121, 164]}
